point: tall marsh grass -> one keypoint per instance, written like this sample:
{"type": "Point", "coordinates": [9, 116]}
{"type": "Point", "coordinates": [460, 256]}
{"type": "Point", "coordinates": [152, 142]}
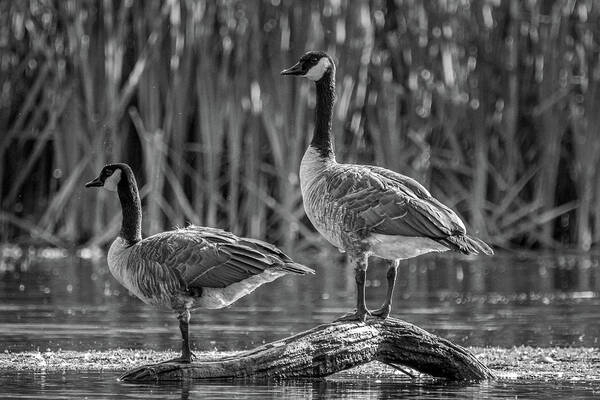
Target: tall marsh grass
{"type": "Point", "coordinates": [493, 105]}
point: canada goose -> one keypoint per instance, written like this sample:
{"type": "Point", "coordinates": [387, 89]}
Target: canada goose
{"type": "Point", "coordinates": [186, 268]}
{"type": "Point", "coordinates": [367, 210]}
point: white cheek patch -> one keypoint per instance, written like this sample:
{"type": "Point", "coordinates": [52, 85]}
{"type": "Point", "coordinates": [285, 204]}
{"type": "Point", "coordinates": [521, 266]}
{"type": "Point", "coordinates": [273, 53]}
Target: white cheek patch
{"type": "Point", "coordinates": [112, 181]}
{"type": "Point", "coordinates": [317, 72]}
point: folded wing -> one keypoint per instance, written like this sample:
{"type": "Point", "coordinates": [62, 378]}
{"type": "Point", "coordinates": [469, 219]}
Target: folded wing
{"type": "Point", "coordinates": [382, 201]}
{"type": "Point", "coordinates": [204, 257]}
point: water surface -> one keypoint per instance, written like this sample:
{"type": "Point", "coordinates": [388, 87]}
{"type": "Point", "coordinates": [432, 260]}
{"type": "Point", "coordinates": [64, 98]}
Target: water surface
{"type": "Point", "coordinates": [96, 385]}
{"type": "Point", "coordinates": [71, 303]}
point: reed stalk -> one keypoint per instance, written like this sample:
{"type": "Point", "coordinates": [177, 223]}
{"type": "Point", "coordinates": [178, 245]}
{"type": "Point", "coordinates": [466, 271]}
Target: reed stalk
{"type": "Point", "coordinates": [491, 105]}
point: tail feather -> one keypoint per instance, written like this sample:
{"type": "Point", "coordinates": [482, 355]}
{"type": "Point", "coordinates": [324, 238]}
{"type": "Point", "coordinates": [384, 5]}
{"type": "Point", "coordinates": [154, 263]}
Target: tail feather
{"type": "Point", "coordinates": [467, 244]}
{"type": "Point", "coordinates": [296, 268]}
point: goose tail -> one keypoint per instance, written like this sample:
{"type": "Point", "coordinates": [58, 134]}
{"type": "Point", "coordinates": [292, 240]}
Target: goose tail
{"type": "Point", "coordinates": [467, 245]}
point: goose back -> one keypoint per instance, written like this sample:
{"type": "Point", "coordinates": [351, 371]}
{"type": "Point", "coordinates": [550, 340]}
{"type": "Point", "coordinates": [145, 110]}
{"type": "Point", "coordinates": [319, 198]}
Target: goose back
{"type": "Point", "coordinates": [197, 267]}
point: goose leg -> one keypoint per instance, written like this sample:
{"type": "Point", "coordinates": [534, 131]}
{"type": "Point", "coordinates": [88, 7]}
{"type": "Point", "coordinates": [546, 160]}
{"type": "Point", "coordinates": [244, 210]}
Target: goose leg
{"type": "Point", "coordinates": [384, 310]}
{"type": "Point", "coordinates": [184, 327]}
{"type": "Point", "coordinates": [186, 353]}
{"type": "Point", "coordinates": [360, 276]}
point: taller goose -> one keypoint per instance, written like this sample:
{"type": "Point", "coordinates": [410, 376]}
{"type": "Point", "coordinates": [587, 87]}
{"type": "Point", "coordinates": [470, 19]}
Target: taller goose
{"type": "Point", "coordinates": [366, 210]}
{"type": "Point", "coordinates": [188, 268]}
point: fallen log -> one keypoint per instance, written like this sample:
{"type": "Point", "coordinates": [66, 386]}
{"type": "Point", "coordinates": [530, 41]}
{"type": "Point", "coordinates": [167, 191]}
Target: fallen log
{"type": "Point", "coordinates": [327, 349]}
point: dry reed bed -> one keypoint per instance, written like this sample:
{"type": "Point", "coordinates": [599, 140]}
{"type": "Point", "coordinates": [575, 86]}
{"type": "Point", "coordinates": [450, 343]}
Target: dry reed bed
{"type": "Point", "coordinates": [492, 105]}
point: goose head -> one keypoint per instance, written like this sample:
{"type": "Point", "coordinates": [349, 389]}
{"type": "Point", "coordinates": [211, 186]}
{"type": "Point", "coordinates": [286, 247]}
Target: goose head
{"type": "Point", "coordinates": [312, 65]}
{"type": "Point", "coordinates": [109, 177]}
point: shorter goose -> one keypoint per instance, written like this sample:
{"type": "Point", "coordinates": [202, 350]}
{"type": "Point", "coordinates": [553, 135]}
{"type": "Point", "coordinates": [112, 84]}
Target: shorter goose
{"type": "Point", "coordinates": [367, 210]}
{"type": "Point", "coordinates": [188, 268]}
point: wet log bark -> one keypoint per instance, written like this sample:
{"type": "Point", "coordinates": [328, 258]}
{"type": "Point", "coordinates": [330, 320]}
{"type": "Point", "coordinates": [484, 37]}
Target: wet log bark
{"type": "Point", "coordinates": [327, 349]}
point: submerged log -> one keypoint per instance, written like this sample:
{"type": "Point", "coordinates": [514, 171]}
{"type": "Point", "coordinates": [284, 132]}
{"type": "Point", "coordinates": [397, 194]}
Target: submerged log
{"type": "Point", "coordinates": [330, 348]}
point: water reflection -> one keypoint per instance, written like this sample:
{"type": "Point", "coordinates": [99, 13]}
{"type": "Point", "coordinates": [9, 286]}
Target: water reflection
{"type": "Point", "coordinates": [95, 385]}
{"type": "Point", "coordinates": [74, 304]}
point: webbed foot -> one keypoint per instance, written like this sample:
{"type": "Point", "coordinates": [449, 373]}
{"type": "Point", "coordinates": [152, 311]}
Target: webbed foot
{"type": "Point", "coordinates": [358, 315]}
{"type": "Point", "coordinates": [382, 312]}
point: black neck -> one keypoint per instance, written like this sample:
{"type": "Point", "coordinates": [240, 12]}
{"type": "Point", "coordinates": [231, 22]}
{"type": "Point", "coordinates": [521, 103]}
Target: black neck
{"type": "Point", "coordinates": [131, 229]}
{"type": "Point", "coordinates": [322, 137]}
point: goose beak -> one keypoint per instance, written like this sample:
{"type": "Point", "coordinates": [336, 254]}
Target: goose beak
{"type": "Point", "coordinates": [295, 70]}
{"type": "Point", "coordinates": [95, 183]}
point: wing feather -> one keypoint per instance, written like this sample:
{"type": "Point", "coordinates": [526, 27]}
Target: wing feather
{"type": "Point", "coordinates": [209, 257]}
{"type": "Point", "coordinates": [389, 203]}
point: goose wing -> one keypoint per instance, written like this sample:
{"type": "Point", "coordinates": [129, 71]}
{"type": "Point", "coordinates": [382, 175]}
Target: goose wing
{"type": "Point", "coordinates": [385, 202]}
{"type": "Point", "coordinates": [209, 257]}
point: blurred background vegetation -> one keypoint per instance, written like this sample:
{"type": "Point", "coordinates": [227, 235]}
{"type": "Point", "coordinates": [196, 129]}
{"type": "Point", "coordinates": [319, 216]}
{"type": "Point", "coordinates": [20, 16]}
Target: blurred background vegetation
{"type": "Point", "coordinates": [493, 105]}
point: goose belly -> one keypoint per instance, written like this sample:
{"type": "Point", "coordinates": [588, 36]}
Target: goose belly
{"type": "Point", "coordinates": [393, 247]}
{"type": "Point", "coordinates": [213, 298]}
{"type": "Point", "coordinates": [326, 224]}
{"type": "Point", "coordinates": [321, 210]}
{"type": "Point", "coordinates": [323, 213]}
{"type": "Point", "coordinates": [118, 260]}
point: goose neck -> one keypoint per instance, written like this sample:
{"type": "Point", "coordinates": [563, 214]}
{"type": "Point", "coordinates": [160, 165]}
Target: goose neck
{"type": "Point", "coordinates": [131, 228]}
{"type": "Point", "coordinates": [322, 139]}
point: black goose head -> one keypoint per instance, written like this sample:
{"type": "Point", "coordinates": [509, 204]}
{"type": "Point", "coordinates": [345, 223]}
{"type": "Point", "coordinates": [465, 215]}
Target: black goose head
{"type": "Point", "coordinates": [313, 65]}
{"type": "Point", "coordinates": [109, 177]}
